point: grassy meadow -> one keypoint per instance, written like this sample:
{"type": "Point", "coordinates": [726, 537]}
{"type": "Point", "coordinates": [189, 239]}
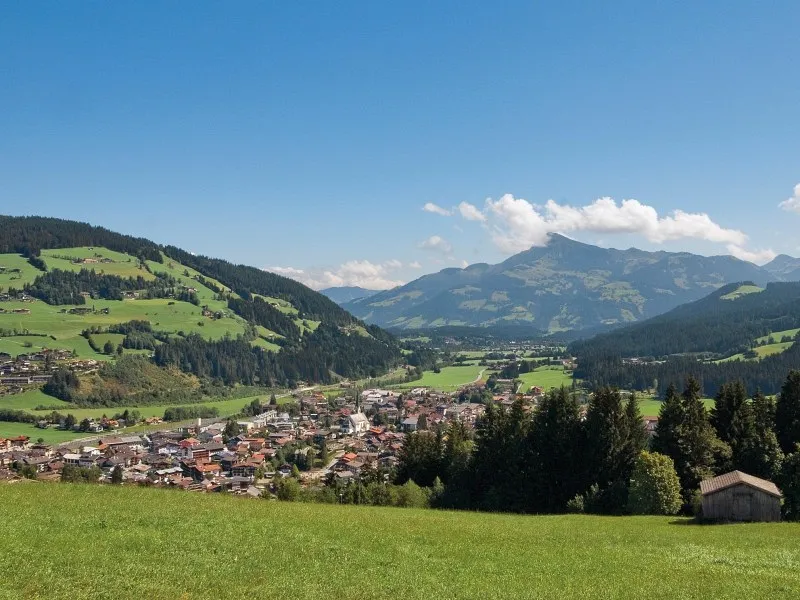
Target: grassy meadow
{"type": "Point", "coordinates": [448, 379]}
{"type": "Point", "coordinates": [29, 400]}
{"type": "Point", "coordinates": [164, 314]}
{"type": "Point", "coordinates": [545, 377]}
{"type": "Point", "coordinates": [650, 406]}
{"type": "Point", "coordinates": [87, 541]}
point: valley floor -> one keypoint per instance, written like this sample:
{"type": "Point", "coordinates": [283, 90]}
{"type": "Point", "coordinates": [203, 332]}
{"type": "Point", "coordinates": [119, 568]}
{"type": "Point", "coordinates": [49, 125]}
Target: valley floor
{"type": "Point", "coordinates": [89, 541]}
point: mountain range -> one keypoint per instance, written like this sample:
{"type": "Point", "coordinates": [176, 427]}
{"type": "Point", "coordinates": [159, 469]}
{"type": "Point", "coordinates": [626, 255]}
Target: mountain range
{"type": "Point", "coordinates": [565, 285]}
{"type": "Point", "coordinates": [345, 294]}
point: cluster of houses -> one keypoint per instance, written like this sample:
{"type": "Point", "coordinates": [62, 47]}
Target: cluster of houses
{"type": "Point", "coordinates": [201, 457]}
{"type": "Point", "coordinates": [16, 297]}
{"type": "Point", "coordinates": [36, 368]}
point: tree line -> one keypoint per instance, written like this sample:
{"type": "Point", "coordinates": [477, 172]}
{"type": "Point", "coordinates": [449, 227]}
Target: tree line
{"type": "Point", "coordinates": [322, 355]}
{"type": "Point", "coordinates": [66, 287]}
{"type": "Point", "coordinates": [559, 457]}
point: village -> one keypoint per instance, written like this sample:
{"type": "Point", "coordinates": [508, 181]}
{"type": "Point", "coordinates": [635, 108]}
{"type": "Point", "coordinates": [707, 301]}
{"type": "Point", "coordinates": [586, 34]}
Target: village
{"type": "Point", "coordinates": [316, 439]}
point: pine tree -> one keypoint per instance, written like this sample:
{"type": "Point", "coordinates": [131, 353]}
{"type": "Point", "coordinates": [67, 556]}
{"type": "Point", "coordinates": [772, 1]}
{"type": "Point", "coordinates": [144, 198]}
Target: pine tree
{"type": "Point", "coordinates": [789, 481]}
{"type": "Point", "coordinates": [557, 472]}
{"type": "Point", "coordinates": [605, 436]}
{"type": "Point", "coordinates": [761, 454]}
{"type": "Point", "coordinates": [685, 434]}
{"type": "Point", "coordinates": [787, 414]}
{"type": "Point", "coordinates": [732, 418]}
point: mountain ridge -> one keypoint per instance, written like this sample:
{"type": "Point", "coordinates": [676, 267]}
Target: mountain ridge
{"type": "Point", "coordinates": [347, 293]}
{"type": "Point", "coordinates": [565, 285]}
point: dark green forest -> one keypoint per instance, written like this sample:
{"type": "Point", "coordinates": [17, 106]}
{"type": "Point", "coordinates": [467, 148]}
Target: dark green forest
{"type": "Point", "coordinates": [686, 340]}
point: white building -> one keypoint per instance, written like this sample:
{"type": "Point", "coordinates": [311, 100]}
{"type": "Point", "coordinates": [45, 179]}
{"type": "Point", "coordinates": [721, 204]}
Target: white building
{"type": "Point", "coordinates": [356, 424]}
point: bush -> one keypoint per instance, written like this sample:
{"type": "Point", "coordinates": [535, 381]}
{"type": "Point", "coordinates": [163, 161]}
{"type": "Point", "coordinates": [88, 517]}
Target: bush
{"type": "Point", "coordinates": [655, 488]}
{"type": "Point", "coordinates": [410, 495]}
{"type": "Point", "coordinates": [287, 489]}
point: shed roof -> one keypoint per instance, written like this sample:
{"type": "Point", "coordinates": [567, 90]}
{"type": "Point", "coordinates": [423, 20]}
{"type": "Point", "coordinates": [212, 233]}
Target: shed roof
{"type": "Point", "coordinates": [721, 482]}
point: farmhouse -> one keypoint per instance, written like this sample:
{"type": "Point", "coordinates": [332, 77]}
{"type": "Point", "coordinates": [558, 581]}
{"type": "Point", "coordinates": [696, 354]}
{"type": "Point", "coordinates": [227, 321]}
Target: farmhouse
{"type": "Point", "coordinates": [737, 496]}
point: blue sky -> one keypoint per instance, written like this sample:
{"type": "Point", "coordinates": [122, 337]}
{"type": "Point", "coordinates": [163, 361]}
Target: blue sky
{"type": "Point", "coordinates": [310, 135]}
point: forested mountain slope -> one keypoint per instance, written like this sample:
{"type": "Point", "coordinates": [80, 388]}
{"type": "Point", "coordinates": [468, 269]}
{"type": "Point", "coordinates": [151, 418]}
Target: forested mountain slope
{"type": "Point", "coordinates": [738, 332]}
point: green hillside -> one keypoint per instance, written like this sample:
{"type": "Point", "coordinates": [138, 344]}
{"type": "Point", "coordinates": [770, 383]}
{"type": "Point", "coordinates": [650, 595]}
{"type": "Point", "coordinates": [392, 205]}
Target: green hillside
{"type": "Point", "coordinates": [726, 336]}
{"type": "Point", "coordinates": [82, 541]}
{"type": "Point", "coordinates": [100, 295]}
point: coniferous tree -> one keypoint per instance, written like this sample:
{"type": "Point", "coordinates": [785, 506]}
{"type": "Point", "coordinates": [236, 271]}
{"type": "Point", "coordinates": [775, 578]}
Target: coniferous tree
{"type": "Point", "coordinates": [761, 455]}
{"type": "Point", "coordinates": [732, 418]}
{"type": "Point", "coordinates": [555, 433]}
{"type": "Point", "coordinates": [789, 482]}
{"type": "Point", "coordinates": [787, 413]}
{"type": "Point", "coordinates": [419, 459]}
{"type": "Point", "coordinates": [685, 434]}
{"type": "Point", "coordinates": [605, 434]}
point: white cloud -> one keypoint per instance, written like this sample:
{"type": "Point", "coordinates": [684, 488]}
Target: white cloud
{"type": "Point", "coordinates": [516, 224]}
{"type": "Point", "coordinates": [415, 265]}
{"type": "Point", "coordinates": [436, 209]}
{"type": "Point", "coordinates": [759, 257]}
{"type": "Point", "coordinates": [361, 273]}
{"type": "Point", "coordinates": [470, 212]}
{"type": "Point", "coordinates": [792, 204]}
{"type": "Point", "coordinates": [436, 243]}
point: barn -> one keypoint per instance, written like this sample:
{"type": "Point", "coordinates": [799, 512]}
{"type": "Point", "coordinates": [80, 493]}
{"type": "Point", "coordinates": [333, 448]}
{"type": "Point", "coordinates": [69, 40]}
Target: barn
{"type": "Point", "coordinates": [737, 496]}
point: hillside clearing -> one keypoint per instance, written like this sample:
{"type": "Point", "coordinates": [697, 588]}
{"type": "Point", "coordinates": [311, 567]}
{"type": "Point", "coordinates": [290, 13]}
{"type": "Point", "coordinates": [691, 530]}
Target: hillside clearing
{"type": "Point", "coordinates": [448, 379]}
{"type": "Point", "coordinates": [546, 378]}
{"type": "Point", "coordinates": [137, 541]}
{"type": "Point", "coordinates": [742, 290]}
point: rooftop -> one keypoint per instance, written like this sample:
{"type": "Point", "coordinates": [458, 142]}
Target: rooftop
{"type": "Point", "coordinates": [721, 482]}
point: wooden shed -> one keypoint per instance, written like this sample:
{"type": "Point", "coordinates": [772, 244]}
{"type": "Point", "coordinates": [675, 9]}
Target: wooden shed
{"type": "Point", "coordinates": [737, 496]}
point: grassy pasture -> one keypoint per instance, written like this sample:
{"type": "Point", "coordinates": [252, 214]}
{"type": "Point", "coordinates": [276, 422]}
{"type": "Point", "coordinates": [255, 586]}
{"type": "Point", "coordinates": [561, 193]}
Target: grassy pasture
{"type": "Point", "coordinates": [27, 272]}
{"type": "Point", "coordinates": [777, 336]}
{"type": "Point", "coordinates": [165, 315]}
{"type": "Point", "coordinates": [742, 290]}
{"type": "Point", "coordinates": [29, 400]}
{"type": "Point", "coordinates": [23, 344]}
{"type": "Point", "coordinates": [545, 377]}
{"type": "Point", "coordinates": [770, 349]}
{"type": "Point", "coordinates": [449, 379]}
{"type": "Point", "coordinates": [50, 435]}
{"type": "Point", "coordinates": [650, 407]}
{"type": "Point", "coordinates": [137, 541]}
{"type": "Point", "coordinates": [123, 265]}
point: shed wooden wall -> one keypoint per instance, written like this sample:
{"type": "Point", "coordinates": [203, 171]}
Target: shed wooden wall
{"type": "Point", "coordinates": [726, 505]}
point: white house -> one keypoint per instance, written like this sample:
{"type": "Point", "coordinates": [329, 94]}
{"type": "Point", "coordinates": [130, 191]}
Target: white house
{"type": "Point", "coordinates": [356, 424]}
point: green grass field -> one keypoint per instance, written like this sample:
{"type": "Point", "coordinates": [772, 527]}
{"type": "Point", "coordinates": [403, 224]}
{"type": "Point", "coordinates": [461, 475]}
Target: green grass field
{"type": "Point", "coordinates": [50, 435]}
{"type": "Point", "coordinates": [27, 272]}
{"type": "Point", "coordinates": [742, 290]}
{"type": "Point", "coordinates": [777, 336]}
{"type": "Point", "coordinates": [545, 377]}
{"type": "Point", "coordinates": [29, 400]}
{"type": "Point", "coordinates": [449, 379]}
{"type": "Point", "coordinates": [164, 315]}
{"type": "Point", "coordinates": [123, 265]}
{"type": "Point", "coordinates": [87, 541]}
{"type": "Point", "coordinates": [650, 407]}
{"type": "Point", "coordinates": [770, 349]}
